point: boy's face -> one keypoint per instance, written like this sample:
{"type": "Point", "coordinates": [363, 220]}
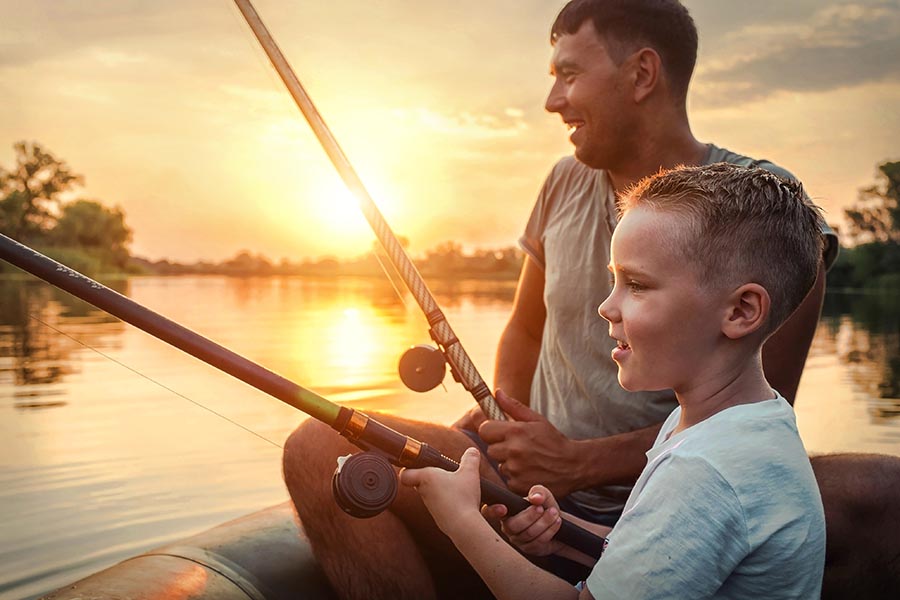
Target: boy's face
{"type": "Point", "coordinates": [666, 322]}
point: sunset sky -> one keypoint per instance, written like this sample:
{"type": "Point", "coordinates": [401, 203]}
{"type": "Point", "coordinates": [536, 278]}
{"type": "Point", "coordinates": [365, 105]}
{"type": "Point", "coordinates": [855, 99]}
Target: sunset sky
{"type": "Point", "coordinates": [171, 110]}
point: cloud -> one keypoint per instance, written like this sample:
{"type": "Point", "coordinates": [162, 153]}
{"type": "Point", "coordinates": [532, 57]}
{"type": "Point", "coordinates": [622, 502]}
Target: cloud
{"type": "Point", "coordinates": [466, 124]}
{"type": "Point", "coordinates": [840, 46]}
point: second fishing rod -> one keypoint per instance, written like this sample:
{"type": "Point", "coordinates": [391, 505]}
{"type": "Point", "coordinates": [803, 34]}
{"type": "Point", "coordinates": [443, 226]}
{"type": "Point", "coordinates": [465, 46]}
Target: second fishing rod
{"type": "Point", "coordinates": [420, 369]}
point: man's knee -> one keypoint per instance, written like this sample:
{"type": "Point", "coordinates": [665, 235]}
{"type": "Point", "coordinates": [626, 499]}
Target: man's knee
{"type": "Point", "coordinates": [308, 451]}
{"type": "Point", "coordinates": [858, 487]}
{"type": "Point", "coordinates": [860, 493]}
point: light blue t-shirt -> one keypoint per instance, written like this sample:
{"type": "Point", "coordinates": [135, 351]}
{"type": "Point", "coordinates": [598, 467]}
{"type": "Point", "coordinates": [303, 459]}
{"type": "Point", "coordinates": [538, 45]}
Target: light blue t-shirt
{"type": "Point", "coordinates": [728, 508]}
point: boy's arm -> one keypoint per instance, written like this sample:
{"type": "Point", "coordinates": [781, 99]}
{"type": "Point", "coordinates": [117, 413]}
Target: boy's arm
{"type": "Point", "coordinates": [784, 354]}
{"type": "Point", "coordinates": [506, 572]}
{"type": "Point", "coordinates": [453, 500]}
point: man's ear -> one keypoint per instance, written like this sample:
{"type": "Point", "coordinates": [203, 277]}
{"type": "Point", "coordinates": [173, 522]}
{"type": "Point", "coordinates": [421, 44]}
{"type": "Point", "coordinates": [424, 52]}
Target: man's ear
{"type": "Point", "coordinates": [646, 72]}
{"type": "Point", "coordinates": [747, 310]}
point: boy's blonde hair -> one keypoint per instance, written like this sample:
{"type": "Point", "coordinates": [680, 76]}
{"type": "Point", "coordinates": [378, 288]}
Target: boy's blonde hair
{"type": "Point", "coordinates": [744, 224]}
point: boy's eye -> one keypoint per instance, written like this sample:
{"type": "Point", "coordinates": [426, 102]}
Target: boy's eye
{"type": "Point", "coordinates": [634, 286]}
{"type": "Point", "coordinates": [612, 280]}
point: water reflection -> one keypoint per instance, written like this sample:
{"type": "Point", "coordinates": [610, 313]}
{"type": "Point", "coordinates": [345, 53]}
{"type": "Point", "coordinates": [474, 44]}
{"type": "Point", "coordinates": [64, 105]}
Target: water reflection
{"type": "Point", "coordinates": [117, 464]}
{"type": "Point", "coordinates": [863, 330]}
{"type": "Point", "coordinates": [33, 354]}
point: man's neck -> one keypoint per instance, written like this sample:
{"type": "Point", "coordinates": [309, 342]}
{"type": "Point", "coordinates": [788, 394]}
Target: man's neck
{"type": "Point", "coordinates": [664, 150]}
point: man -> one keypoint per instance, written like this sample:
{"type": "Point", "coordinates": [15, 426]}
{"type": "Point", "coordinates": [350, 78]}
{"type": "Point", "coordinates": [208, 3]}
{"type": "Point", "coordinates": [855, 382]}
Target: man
{"type": "Point", "coordinates": [621, 71]}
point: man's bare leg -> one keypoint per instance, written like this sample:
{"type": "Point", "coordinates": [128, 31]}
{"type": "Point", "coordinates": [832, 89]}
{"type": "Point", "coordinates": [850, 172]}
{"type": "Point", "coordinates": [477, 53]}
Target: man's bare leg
{"type": "Point", "coordinates": [397, 554]}
{"type": "Point", "coordinates": [861, 495]}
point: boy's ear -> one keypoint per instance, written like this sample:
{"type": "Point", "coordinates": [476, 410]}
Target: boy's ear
{"type": "Point", "coordinates": [747, 310]}
{"type": "Point", "coordinates": [647, 67]}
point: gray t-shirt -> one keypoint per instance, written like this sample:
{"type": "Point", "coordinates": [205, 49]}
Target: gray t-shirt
{"type": "Point", "coordinates": [728, 508]}
{"type": "Point", "coordinates": [575, 383]}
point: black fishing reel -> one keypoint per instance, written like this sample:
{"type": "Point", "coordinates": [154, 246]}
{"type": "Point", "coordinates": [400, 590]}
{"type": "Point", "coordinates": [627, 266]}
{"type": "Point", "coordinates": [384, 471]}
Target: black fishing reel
{"type": "Point", "coordinates": [364, 484]}
{"type": "Point", "coordinates": [422, 368]}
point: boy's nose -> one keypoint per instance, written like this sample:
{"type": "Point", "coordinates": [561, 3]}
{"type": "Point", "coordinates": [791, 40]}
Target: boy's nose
{"type": "Point", "coordinates": [607, 310]}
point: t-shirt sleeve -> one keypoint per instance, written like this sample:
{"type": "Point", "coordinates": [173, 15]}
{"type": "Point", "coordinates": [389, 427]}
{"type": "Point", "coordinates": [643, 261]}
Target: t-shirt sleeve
{"type": "Point", "coordinates": [831, 244]}
{"type": "Point", "coordinates": [532, 240]}
{"type": "Point", "coordinates": [681, 539]}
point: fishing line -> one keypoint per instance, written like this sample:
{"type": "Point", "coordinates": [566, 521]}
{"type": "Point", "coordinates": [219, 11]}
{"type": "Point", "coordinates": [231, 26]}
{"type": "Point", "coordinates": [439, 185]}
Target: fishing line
{"type": "Point", "coordinates": [151, 380]}
{"type": "Point", "coordinates": [357, 427]}
{"type": "Point", "coordinates": [390, 273]}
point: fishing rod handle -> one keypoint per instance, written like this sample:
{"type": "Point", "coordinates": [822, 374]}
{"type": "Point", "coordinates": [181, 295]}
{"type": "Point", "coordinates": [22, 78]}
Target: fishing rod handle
{"type": "Point", "coordinates": [368, 433]}
{"type": "Point", "coordinates": [491, 493]}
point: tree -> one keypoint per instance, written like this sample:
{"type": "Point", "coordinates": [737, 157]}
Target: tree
{"type": "Point", "coordinates": [91, 226]}
{"type": "Point", "coordinates": [31, 192]}
{"type": "Point", "coordinates": [876, 215]}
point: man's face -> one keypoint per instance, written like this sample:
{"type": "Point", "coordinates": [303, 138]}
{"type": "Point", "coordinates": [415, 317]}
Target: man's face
{"type": "Point", "coordinates": [590, 94]}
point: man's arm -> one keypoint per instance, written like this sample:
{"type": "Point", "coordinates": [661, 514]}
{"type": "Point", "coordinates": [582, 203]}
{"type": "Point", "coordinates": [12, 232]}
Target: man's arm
{"type": "Point", "coordinates": [784, 354]}
{"type": "Point", "coordinates": [520, 342]}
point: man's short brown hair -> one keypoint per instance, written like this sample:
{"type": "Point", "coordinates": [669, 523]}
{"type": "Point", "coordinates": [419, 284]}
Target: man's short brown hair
{"type": "Point", "coordinates": [626, 26]}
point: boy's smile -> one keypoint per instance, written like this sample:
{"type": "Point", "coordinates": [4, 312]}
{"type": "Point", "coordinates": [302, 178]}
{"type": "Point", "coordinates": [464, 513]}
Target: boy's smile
{"type": "Point", "coordinates": [665, 320]}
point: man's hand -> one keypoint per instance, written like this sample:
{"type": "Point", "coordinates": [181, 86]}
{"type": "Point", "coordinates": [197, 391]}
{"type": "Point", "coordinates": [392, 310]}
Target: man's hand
{"type": "Point", "coordinates": [530, 450]}
{"type": "Point", "coordinates": [472, 420]}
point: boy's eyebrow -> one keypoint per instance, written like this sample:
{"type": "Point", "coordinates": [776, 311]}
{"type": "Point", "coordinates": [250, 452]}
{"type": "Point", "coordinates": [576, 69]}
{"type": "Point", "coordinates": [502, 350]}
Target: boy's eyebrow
{"type": "Point", "coordinates": [623, 270]}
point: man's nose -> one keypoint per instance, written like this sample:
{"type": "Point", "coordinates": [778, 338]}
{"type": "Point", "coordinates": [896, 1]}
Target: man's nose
{"type": "Point", "coordinates": [556, 99]}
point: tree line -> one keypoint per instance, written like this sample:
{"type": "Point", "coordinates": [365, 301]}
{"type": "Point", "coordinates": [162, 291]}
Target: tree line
{"type": "Point", "coordinates": [40, 207]}
{"type": "Point", "coordinates": [870, 252]}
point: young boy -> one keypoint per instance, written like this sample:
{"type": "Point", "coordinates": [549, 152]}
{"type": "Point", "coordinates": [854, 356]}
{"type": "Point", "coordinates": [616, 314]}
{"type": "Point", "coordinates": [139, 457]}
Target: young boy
{"type": "Point", "coordinates": [707, 263]}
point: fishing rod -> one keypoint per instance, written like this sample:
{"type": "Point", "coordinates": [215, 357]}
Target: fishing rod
{"type": "Point", "coordinates": [365, 484]}
{"type": "Point", "coordinates": [421, 367]}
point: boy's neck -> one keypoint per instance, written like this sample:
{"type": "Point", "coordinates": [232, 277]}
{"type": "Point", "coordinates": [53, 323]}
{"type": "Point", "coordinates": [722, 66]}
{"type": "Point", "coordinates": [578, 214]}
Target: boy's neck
{"type": "Point", "coordinates": [744, 384]}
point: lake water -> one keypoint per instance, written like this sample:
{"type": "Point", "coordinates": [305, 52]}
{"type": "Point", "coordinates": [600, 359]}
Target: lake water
{"type": "Point", "coordinates": [112, 442]}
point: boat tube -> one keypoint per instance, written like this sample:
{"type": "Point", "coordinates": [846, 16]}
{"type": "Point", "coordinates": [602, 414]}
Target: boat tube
{"type": "Point", "coordinates": [260, 556]}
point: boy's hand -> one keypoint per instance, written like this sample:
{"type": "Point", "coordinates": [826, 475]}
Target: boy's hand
{"type": "Point", "coordinates": [529, 448]}
{"type": "Point", "coordinates": [449, 496]}
{"type": "Point", "coordinates": [533, 529]}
